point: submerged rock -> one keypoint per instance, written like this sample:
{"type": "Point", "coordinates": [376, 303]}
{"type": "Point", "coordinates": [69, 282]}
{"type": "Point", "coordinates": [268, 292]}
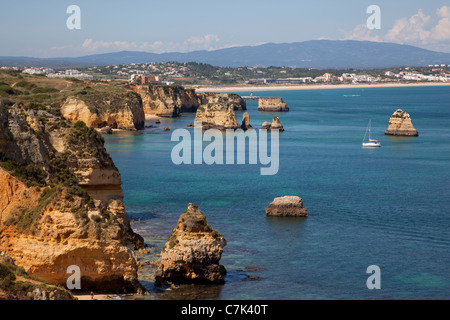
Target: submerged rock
{"type": "Point", "coordinates": [288, 206]}
{"type": "Point", "coordinates": [272, 104]}
{"type": "Point", "coordinates": [400, 125]}
{"type": "Point", "coordinates": [192, 253]}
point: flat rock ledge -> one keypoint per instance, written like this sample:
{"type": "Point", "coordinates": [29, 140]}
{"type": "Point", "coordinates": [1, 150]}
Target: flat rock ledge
{"type": "Point", "coordinates": [287, 206]}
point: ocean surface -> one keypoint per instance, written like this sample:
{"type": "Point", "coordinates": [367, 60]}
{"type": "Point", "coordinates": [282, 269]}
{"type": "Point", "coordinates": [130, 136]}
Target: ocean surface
{"type": "Point", "coordinates": [387, 206]}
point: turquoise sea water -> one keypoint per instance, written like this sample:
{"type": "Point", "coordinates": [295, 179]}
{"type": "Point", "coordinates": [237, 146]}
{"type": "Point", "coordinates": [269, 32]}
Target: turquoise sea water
{"type": "Point", "coordinates": [388, 206]}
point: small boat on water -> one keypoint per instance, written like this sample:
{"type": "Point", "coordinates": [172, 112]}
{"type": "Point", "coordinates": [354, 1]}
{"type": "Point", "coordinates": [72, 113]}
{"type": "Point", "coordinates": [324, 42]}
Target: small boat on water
{"type": "Point", "coordinates": [371, 143]}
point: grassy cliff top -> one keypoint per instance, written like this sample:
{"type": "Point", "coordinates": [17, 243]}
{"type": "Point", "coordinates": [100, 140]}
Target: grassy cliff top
{"type": "Point", "coordinates": [38, 90]}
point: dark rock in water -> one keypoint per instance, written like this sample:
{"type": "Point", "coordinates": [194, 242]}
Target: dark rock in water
{"type": "Point", "coordinates": [192, 253]}
{"type": "Point", "coordinates": [157, 121]}
{"type": "Point", "coordinates": [190, 125]}
{"type": "Point", "coordinates": [249, 268]}
{"type": "Point", "coordinates": [288, 206]}
{"type": "Point", "coordinates": [166, 129]}
{"type": "Point", "coordinates": [105, 130]}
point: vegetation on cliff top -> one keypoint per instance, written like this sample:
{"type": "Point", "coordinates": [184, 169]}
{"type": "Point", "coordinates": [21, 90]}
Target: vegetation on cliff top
{"type": "Point", "coordinates": [37, 92]}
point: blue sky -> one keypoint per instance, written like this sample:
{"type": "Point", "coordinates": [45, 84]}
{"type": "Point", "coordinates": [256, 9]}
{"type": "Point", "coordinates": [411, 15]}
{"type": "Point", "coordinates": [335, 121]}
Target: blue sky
{"type": "Point", "coordinates": [38, 28]}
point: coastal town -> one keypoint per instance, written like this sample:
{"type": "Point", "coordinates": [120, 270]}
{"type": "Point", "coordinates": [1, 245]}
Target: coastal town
{"type": "Point", "coordinates": [204, 74]}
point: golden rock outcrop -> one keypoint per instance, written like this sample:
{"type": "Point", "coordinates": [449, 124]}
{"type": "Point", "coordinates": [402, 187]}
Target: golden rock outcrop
{"type": "Point", "coordinates": [61, 203]}
{"type": "Point", "coordinates": [192, 253]}
{"type": "Point", "coordinates": [400, 125]}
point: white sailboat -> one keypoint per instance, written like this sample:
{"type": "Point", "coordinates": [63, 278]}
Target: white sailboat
{"type": "Point", "coordinates": [371, 143]}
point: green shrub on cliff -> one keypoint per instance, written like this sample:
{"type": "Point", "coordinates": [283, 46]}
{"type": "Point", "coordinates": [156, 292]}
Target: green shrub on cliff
{"type": "Point", "coordinates": [28, 174]}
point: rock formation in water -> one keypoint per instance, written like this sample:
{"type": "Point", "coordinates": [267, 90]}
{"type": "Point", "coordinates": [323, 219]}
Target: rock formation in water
{"type": "Point", "coordinates": [246, 122]}
{"type": "Point", "coordinates": [16, 284]}
{"type": "Point", "coordinates": [99, 109]}
{"type": "Point", "coordinates": [192, 253]}
{"type": "Point", "coordinates": [275, 125]}
{"type": "Point", "coordinates": [232, 100]}
{"type": "Point", "coordinates": [272, 104]}
{"type": "Point", "coordinates": [167, 101]}
{"type": "Point", "coordinates": [288, 206]}
{"type": "Point", "coordinates": [400, 125]}
{"type": "Point", "coordinates": [61, 202]}
{"type": "Point", "coordinates": [216, 115]}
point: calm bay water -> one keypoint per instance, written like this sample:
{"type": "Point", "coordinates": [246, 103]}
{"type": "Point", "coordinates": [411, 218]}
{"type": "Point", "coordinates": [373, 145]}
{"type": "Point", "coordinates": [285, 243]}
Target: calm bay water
{"type": "Point", "coordinates": [388, 206]}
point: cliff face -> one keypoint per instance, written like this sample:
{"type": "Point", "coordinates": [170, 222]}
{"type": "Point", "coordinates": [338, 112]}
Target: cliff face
{"type": "Point", "coordinates": [400, 125]}
{"type": "Point", "coordinates": [16, 284]}
{"type": "Point", "coordinates": [217, 115]}
{"type": "Point", "coordinates": [232, 100]}
{"type": "Point", "coordinates": [167, 101]}
{"type": "Point", "coordinates": [123, 111]}
{"type": "Point", "coordinates": [61, 202]}
{"type": "Point", "coordinates": [192, 253]}
{"type": "Point", "coordinates": [272, 104]}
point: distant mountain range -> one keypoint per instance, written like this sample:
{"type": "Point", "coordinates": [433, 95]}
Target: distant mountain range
{"type": "Point", "coordinates": [320, 54]}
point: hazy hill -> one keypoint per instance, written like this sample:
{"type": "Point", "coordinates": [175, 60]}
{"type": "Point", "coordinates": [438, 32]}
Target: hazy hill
{"type": "Point", "coordinates": [308, 54]}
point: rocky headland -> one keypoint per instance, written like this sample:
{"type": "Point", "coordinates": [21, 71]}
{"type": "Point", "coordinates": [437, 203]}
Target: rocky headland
{"type": "Point", "coordinates": [272, 104]}
{"type": "Point", "coordinates": [192, 252]}
{"type": "Point", "coordinates": [99, 110]}
{"type": "Point", "coordinates": [287, 206]}
{"type": "Point", "coordinates": [400, 125]}
{"type": "Point", "coordinates": [167, 101]}
{"type": "Point", "coordinates": [61, 201]}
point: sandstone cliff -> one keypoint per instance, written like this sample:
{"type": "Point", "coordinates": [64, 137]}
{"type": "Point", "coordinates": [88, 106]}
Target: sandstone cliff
{"type": "Point", "coordinates": [217, 115]}
{"type": "Point", "coordinates": [167, 101]}
{"type": "Point", "coordinates": [192, 253]}
{"type": "Point", "coordinates": [232, 100]}
{"type": "Point", "coordinates": [118, 111]}
{"type": "Point", "coordinates": [61, 202]}
{"type": "Point", "coordinates": [400, 125]}
{"type": "Point", "coordinates": [272, 104]}
{"type": "Point", "coordinates": [16, 284]}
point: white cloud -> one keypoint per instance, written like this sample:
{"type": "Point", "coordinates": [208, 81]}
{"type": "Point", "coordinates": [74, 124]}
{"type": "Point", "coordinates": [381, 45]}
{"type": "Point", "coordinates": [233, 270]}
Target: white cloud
{"type": "Point", "coordinates": [410, 30]}
{"type": "Point", "coordinates": [90, 45]}
{"type": "Point", "coordinates": [361, 32]}
{"type": "Point", "coordinates": [419, 30]}
{"type": "Point", "coordinates": [206, 42]}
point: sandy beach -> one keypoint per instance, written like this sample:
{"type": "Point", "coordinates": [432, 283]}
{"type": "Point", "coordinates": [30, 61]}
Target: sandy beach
{"type": "Point", "coordinates": [244, 88]}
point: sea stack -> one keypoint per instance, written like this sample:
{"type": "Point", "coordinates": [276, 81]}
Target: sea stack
{"type": "Point", "coordinates": [275, 125]}
{"type": "Point", "coordinates": [287, 206]}
{"type": "Point", "coordinates": [246, 122]}
{"type": "Point", "coordinates": [233, 100]}
{"type": "Point", "coordinates": [400, 125]}
{"type": "Point", "coordinates": [216, 115]}
{"type": "Point", "coordinates": [192, 252]}
{"type": "Point", "coordinates": [272, 104]}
